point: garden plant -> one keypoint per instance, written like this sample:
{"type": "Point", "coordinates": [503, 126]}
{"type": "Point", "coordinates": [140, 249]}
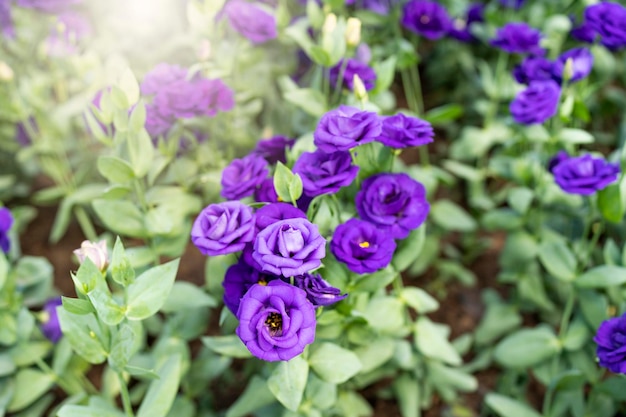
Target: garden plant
{"type": "Point", "coordinates": [312, 208]}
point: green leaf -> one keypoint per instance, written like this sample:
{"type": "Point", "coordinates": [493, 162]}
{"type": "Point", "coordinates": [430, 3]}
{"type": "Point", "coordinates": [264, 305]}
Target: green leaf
{"type": "Point", "coordinates": [96, 408]}
{"type": "Point", "coordinates": [122, 345]}
{"type": "Point", "coordinates": [575, 136]}
{"type": "Point", "coordinates": [450, 216]}
{"type": "Point", "coordinates": [162, 392]}
{"type": "Point", "coordinates": [419, 300]}
{"type": "Point", "coordinates": [611, 204]}
{"type": "Point", "coordinates": [128, 84]}
{"type": "Point", "coordinates": [385, 72]}
{"type": "Point", "coordinates": [558, 260]}
{"type": "Point", "coordinates": [230, 345]}
{"type": "Point", "coordinates": [568, 380]}
{"type": "Point", "coordinates": [25, 354]}
{"type": "Point", "coordinates": [445, 377]}
{"type": "Point", "coordinates": [107, 309]}
{"type": "Point", "coordinates": [121, 269]}
{"type": "Point", "coordinates": [122, 217]}
{"type": "Point", "coordinates": [77, 306]}
{"type": "Point", "coordinates": [147, 294]}
{"type": "Point", "coordinates": [288, 380]}
{"type": "Point", "coordinates": [141, 152]}
{"type": "Point", "coordinates": [375, 354]}
{"type": "Point", "coordinates": [432, 341]}
{"type": "Point", "coordinates": [311, 101]}
{"type": "Point", "coordinates": [520, 199]}
{"type": "Point", "coordinates": [4, 270]}
{"type": "Point", "coordinates": [602, 276]}
{"type": "Point", "coordinates": [255, 396]}
{"type": "Point", "coordinates": [442, 115]}
{"type": "Point", "coordinates": [80, 331]}
{"type": "Point", "coordinates": [527, 347]}
{"type": "Point", "coordinates": [141, 373]}
{"type": "Point", "coordinates": [185, 295]}
{"type": "Point", "coordinates": [138, 118]}
{"type": "Point", "coordinates": [334, 364]}
{"type": "Point", "coordinates": [30, 384]}
{"type": "Point", "coordinates": [374, 282]}
{"type": "Point", "coordinates": [407, 391]}
{"type": "Point", "coordinates": [409, 248]}
{"type": "Point", "coordinates": [577, 335]}
{"type": "Point", "coordinates": [288, 185]}
{"type": "Point", "coordinates": [88, 276]}
{"type": "Point", "coordinates": [115, 170]}
{"type": "Point", "coordinates": [385, 314]}
{"type": "Point", "coordinates": [594, 306]}
{"type": "Point", "coordinates": [321, 393]}
{"type": "Point", "coordinates": [508, 407]}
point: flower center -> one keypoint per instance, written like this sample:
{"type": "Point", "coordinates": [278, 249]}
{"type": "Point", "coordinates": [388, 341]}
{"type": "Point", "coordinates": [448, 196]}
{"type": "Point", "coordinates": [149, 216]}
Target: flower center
{"type": "Point", "coordinates": [364, 244]}
{"type": "Point", "coordinates": [274, 323]}
{"type": "Point", "coordinates": [424, 19]}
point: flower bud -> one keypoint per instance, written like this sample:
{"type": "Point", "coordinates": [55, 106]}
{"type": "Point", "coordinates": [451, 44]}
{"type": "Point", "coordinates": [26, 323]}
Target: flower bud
{"type": "Point", "coordinates": [330, 23]}
{"type": "Point", "coordinates": [6, 72]}
{"type": "Point", "coordinates": [568, 69]}
{"type": "Point", "coordinates": [360, 92]}
{"type": "Point", "coordinates": [353, 31]}
{"type": "Point", "coordinates": [96, 252]}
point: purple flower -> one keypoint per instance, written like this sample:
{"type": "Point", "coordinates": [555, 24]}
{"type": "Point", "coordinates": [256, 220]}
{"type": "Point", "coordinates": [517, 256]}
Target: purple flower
{"type": "Point", "coordinates": [426, 18]}
{"type": "Point", "coordinates": [395, 203]}
{"type": "Point", "coordinates": [265, 192]}
{"type": "Point", "coordinates": [161, 76]}
{"type": "Point", "coordinates": [251, 21]}
{"type": "Point", "coordinates": [276, 321]}
{"type": "Point", "coordinates": [223, 228]}
{"type": "Point", "coordinates": [6, 221]}
{"type": "Point", "coordinates": [512, 3]}
{"type": "Point", "coordinates": [518, 38]}
{"type": "Point", "coordinates": [379, 6]}
{"type": "Point", "coordinates": [75, 27]}
{"type": "Point", "coordinates": [238, 280]}
{"type": "Point", "coordinates": [585, 174]}
{"type": "Point", "coordinates": [241, 177]}
{"type": "Point", "coordinates": [400, 131]}
{"type": "Point", "coordinates": [583, 32]}
{"type": "Point", "coordinates": [276, 212]}
{"type": "Point", "coordinates": [352, 67]}
{"type": "Point", "coordinates": [362, 246]}
{"type": "Point", "coordinates": [325, 173]}
{"type": "Point", "coordinates": [537, 103]}
{"type": "Point", "coordinates": [158, 122]}
{"type": "Point", "coordinates": [345, 128]}
{"type": "Point", "coordinates": [289, 247]}
{"type": "Point", "coordinates": [460, 28]}
{"type": "Point", "coordinates": [557, 159]}
{"type": "Point", "coordinates": [611, 341]}
{"type": "Point", "coordinates": [608, 20]}
{"type": "Point", "coordinates": [273, 149]}
{"type": "Point", "coordinates": [318, 291]}
{"type": "Point", "coordinates": [533, 68]}
{"type": "Point", "coordinates": [48, 6]}
{"type": "Point", "coordinates": [22, 135]}
{"type": "Point", "coordinates": [50, 326]}
{"type": "Point", "coordinates": [6, 19]}
{"type": "Point", "coordinates": [582, 62]}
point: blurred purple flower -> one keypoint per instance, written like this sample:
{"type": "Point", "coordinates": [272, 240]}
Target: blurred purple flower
{"type": "Point", "coordinates": [461, 27]}
{"type": "Point", "coordinates": [557, 159]}
{"type": "Point", "coordinates": [273, 149]}
{"type": "Point", "coordinates": [325, 173]}
{"type": "Point", "coordinates": [251, 21]}
{"type": "Point", "coordinates": [395, 203]}
{"type": "Point", "coordinates": [363, 53]}
{"type": "Point", "coordinates": [401, 131]}
{"type": "Point", "coordinates": [276, 321]}
{"type": "Point", "coordinates": [160, 77]}
{"type": "Point", "coordinates": [518, 37]}
{"type": "Point", "coordinates": [512, 3]}
{"type": "Point", "coordinates": [582, 63]}
{"type": "Point", "coordinates": [265, 192]}
{"type": "Point", "coordinates": [242, 176]}
{"type": "Point", "coordinates": [583, 32]}
{"type": "Point", "coordinates": [537, 103]}
{"type": "Point", "coordinates": [362, 246]}
{"type": "Point", "coordinates": [65, 36]}
{"type": "Point", "coordinates": [611, 341]}
{"type": "Point", "coordinates": [238, 280]}
{"type": "Point", "coordinates": [352, 67]}
{"type": "Point", "coordinates": [426, 18]}
{"type": "Point", "coordinates": [223, 228]}
{"type": "Point", "coordinates": [345, 128]}
{"type": "Point", "coordinates": [533, 68]}
{"type": "Point", "coordinates": [48, 6]}
{"type": "Point", "coordinates": [21, 132]}
{"type": "Point", "coordinates": [608, 20]}
{"type": "Point", "coordinates": [50, 326]}
{"type": "Point", "coordinates": [6, 19]}
{"type": "Point", "coordinates": [6, 221]}
{"type": "Point", "coordinates": [318, 291]}
{"type": "Point", "coordinates": [585, 174]}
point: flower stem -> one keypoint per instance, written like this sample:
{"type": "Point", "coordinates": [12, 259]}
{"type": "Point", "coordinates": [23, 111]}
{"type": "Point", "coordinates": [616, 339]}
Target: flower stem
{"type": "Point", "coordinates": [128, 409]}
{"type": "Point", "coordinates": [85, 223]}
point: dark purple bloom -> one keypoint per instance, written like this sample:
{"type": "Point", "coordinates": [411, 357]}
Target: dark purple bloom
{"type": "Point", "coordinates": [238, 280]}
{"type": "Point", "coordinates": [537, 103]}
{"type": "Point", "coordinates": [273, 149]}
{"type": "Point", "coordinates": [318, 291]}
{"type": "Point", "coordinates": [50, 326]}
{"type": "Point", "coordinates": [533, 68]}
{"type": "Point", "coordinates": [608, 20]}
{"type": "Point", "coordinates": [583, 33]}
{"type": "Point", "coordinates": [611, 341]}
{"type": "Point", "coordinates": [512, 3]}
{"type": "Point", "coordinates": [223, 228]}
{"type": "Point", "coordinates": [518, 38]}
{"type": "Point", "coordinates": [241, 177]}
{"type": "Point", "coordinates": [557, 159]}
{"type": "Point", "coordinates": [584, 174]}
{"type": "Point", "coordinates": [395, 203]}
{"type": "Point", "coordinates": [461, 27]}
{"type": "Point", "coordinates": [352, 67]}
{"type": "Point", "coordinates": [325, 173]}
{"type": "Point", "coordinates": [289, 247]}
{"type": "Point", "coordinates": [426, 18]}
{"type": "Point", "coordinates": [265, 192]}
{"type": "Point", "coordinates": [275, 212]}
{"type": "Point", "coordinates": [401, 131]}
{"type": "Point", "coordinates": [48, 6]}
{"type": "Point", "coordinates": [6, 19]}
{"type": "Point", "coordinates": [362, 246]}
{"type": "Point", "coordinates": [276, 321]}
{"type": "Point", "coordinates": [251, 21]}
{"type": "Point", "coordinates": [582, 62]}
{"type": "Point", "coordinates": [345, 128]}
{"type": "Point", "coordinates": [6, 221]}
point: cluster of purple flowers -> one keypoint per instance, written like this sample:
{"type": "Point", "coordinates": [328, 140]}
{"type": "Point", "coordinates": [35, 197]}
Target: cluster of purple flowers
{"type": "Point", "coordinates": [605, 20]}
{"type": "Point", "coordinates": [583, 175]}
{"type": "Point", "coordinates": [176, 94]}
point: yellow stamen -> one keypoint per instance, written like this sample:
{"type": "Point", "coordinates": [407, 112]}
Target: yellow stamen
{"type": "Point", "coordinates": [262, 282]}
{"type": "Point", "coordinates": [364, 244]}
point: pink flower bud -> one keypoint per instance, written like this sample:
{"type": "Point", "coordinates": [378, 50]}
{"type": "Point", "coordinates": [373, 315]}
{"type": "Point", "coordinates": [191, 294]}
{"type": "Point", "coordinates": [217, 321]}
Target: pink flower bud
{"type": "Point", "coordinates": [97, 252]}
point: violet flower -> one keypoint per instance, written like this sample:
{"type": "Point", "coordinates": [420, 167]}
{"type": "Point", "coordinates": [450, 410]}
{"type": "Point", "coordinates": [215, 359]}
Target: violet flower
{"type": "Point", "coordinates": [238, 280]}
{"type": "Point", "coordinates": [611, 349]}
{"type": "Point", "coordinates": [533, 68]}
{"type": "Point", "coordinates": [223, 228]}
{"type": "Point", "coordinates": [318, 291]}
{"type": "Point", "coordinates": [345, 128]}
{"type": "Point", "coordinates": [274, 148]}
{"type": "Point", "coordinates": [518, 38]}
{"type": "Point", "coordinates": [426, 18]}
{"type": "Point", "coordinates": [461, 27]}
{"type": "Point", "coordinates": [251, 21]}
{"type": "Point", "coordinates": [584, 175]}
{"type": "Point", "coordinates": [608, 19]}
{"type": "Point", "coordinates": [6, 221]}
{"type": "Point", "coordinates": [50, 326]}
{"type": "Point", "coordinates": [581, 64]}
{"type": "Point", "coordinates": [401, 131]}
{"type": "Point", "coordinates": [242, 176]}
{"type": "Point", "coordinates": [325, 173]}
{"type": "Point", "coordinates": [537, 103]}
{"type": "Point", "coordinates": [352, 67]}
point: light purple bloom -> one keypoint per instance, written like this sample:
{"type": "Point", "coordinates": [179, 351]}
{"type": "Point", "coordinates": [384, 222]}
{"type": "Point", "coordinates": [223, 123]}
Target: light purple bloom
{"type": "Point", "coordinates": [608, 19]}
{"type": "Point", "coordinates": [362, 246]}
{"type": "Point", "coordinates": [50, 327]}
{"type": "Point", "coordinates": [345, 128]}
{"type": "Point", "coordinates": [318, 291]}
{"type": "Point", "coordinates": [251, 21]}
{"type": "Point", "coordinates": [6, 19]}
{"type": "Point", "coordinates": [401, 131]}
{"type": "Point", "coordinates": [537, 103]}
{"type": "Point", "coordinates": [242, 176]}
{"type": "Point", "coordinates": [289, 247]}
{"type": "Point", "coordinates": [518, 38]}
{"type": "Point", "coordinates": [48, 6]}
{"type": "Point", "coordinates": [223, 228]}
{"type": "Point", "coordinates": [426, 18]}
{"type": "Point", "coordinates": [582, 62]}
{"type": "Point", "coordinates": [585, 174]}
{"type": "Point", "coordinates": [352, 67]}
{"type": "Point", "coordinates": [6, 221]}
{"type": "Point", "coordinates": [611, 341]}
{"type": "Point", "coordinates": [74, 27]}
{"type": "Point", "coordinates": [325, 173]}
{"type": "Point", "coordinates": [272, 213]}
{"type": "Point", "coordinates": [276, 321]}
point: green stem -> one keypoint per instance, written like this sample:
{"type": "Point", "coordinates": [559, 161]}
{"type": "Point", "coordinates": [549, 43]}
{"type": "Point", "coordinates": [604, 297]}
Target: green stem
{"type": "Point", "coordinates": [417, 89]}
{"type": "Point", "coordinates": [338, 84]}
{"type": "Point", "coordinates": [128, 409]}
{"type": "Point", "coordinates": [501, 65]}
{"type": "Point", "coordinates": [85, 224]}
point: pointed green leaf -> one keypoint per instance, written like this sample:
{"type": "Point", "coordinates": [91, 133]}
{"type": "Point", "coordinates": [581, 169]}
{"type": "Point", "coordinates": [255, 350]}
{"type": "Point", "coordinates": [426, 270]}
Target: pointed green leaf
{"type": "Point", "coordinates": [162, 392]}
{"type": "Point", "coordinates": [334, 364]}
{"type": "Point", "coordinates": [288, 380]}
{"type": "Point", "coordinates": [147, 294]}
